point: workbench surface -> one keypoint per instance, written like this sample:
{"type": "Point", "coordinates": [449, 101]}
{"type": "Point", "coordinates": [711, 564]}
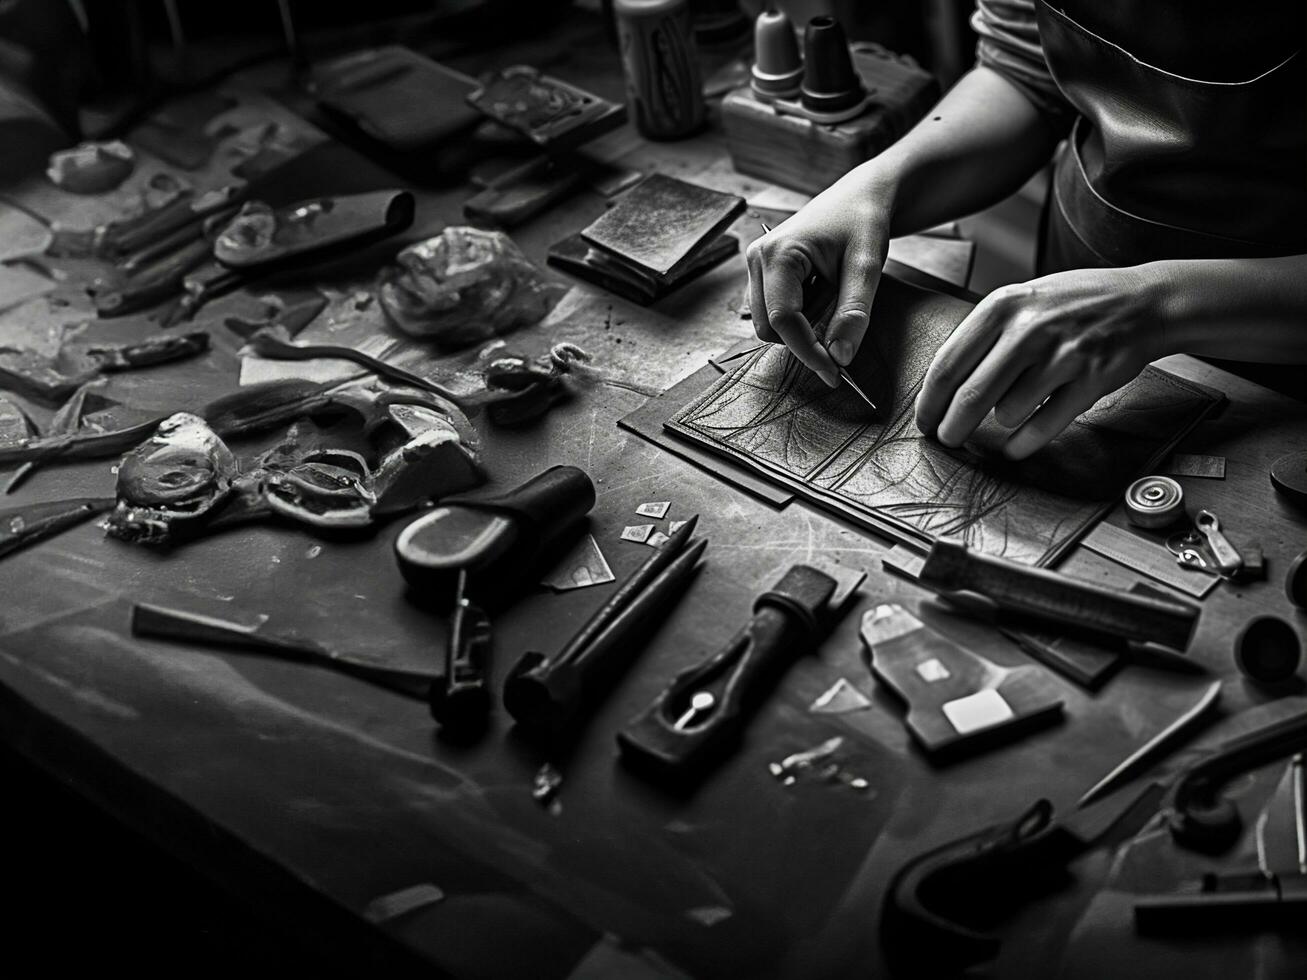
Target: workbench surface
{"type": "Point", "coordinates": [312, 795]}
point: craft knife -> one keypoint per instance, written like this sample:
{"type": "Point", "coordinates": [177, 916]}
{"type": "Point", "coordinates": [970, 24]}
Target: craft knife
{"type": "Point", "coordinates": [27, 524]}
{"type": "Point", "coordinates": [844, 374]}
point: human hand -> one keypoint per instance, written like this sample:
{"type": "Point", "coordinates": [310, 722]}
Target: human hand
{"type": "Point", "coordinates": [841, 235]}
{"type": "Point", "coordinates": [1040, 353]}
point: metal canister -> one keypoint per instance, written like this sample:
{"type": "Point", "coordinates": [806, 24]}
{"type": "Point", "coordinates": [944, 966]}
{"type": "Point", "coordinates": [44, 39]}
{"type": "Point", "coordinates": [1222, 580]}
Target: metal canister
{"type": "Point", "coordinates": [663, 86]}
{"type": "Point", "coordinates": [1153, 502]}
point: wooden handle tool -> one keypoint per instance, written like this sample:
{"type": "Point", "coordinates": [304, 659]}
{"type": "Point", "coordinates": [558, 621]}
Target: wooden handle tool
{"type": "Point", "coordinates": [705, 706]}
{"type": "Point", "coordinates": [1059, 599]}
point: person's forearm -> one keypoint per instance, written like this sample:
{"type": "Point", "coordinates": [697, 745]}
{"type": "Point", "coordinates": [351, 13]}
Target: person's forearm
{"type": "Point", "coordinates": [1241, 309]}
{"type": "Point", "coordinates": [980, 143]}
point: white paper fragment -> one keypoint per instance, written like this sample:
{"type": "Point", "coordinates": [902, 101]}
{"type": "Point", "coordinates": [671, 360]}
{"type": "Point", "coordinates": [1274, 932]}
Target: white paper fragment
{"type": "Point", "coordinates": [583, 566]}
{"type": "Point", "coordinates": [709, 915]}
{"type": "Point", "coordinates": [984, 709]}
{"type": "Point", "coordinates": [932, 670]}
{"type": "Point", "coordinates": [544, 788]}
{"type": "Point", "coordinates": [402, 902]}
{"type": "Point", "coordinates": [638, 533]}
{"type": "Point", "coordinates": [817, 764]}
{"type": "Point", "coordinates": [656, 509]}
{"type": "Point", "coordinates": [802, 760]}
{"type": "Point", "coordinates": [674, 526]}
{"type": "Point", "coordinates": [657, 539]}
{"type": "Point", "coordinates": [840, 698]}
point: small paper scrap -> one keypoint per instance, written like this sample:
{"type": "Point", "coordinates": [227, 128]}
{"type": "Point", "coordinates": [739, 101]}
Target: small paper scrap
{"type": "Point", "coordinates": [544, 788]}
{"type": "Point", "coordinates": [583, 566]}
{"type": "Point", "coordinates": [840, 698]}
{"type": "Point", "coordinates": [674, 526]}
{"type": "Point", "coordinates": [709, 915]}
{"type": "Point", "coordinates": [1192, 464]}
{"type": "Point", "coordinates": [402, 902]}
{"type": "Point", "coordinates": [657, 539]}
{"type": "Point", "coordinates": [656, 509]}
{"type": "Point", "coordinates": [638, 533]}
{"type": "Point", "coordinates": [816, 763]}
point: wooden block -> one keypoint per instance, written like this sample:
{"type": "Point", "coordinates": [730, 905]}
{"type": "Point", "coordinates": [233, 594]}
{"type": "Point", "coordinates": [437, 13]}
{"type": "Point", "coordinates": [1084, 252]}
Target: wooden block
{"type": "Point", "coordinates": [796, 152]}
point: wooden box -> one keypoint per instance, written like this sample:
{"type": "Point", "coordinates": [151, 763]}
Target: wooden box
{"type": "Point", "coordinates": [795, 152]}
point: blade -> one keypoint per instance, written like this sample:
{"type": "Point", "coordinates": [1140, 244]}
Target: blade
{"type": "Point", "coordinates": [21, 526]}
{"type": "Point", "coordinates": [1281, 835]}
{"type": "Point", "coordinates": [1142, 757]}
{"type": "Point", "coordinates": [853, 384]}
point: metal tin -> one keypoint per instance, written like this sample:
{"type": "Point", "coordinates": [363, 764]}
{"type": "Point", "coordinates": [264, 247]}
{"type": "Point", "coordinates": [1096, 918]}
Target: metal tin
{"type": "Point", "coordinates": [1154, 501]}
{"type": "Point", "coordinates": [1267, 650]}
{"type": "Point", "coordinates": [664, 88]}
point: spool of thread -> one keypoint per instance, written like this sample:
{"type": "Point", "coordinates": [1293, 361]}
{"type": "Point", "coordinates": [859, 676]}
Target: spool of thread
{"type": "Point", "coordinates": [664, 88]}
{"type": "Point", "coordinates": [1267, 650]}
{"type": "Point", "coordinates": [777, 71]}
{"type": "Point", "coordinates": [1154, 501]}
{"type": "Point", "coordinates": [832, 90]}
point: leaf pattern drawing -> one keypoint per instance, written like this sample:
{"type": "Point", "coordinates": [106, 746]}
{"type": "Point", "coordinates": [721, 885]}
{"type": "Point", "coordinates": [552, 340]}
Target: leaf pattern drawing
{"type": "Point", "coordinates": [777, 418]}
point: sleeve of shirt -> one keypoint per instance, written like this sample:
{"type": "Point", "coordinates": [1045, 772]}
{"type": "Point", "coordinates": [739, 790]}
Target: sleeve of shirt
{"type": "Point", "coordinates": [1008, 43]}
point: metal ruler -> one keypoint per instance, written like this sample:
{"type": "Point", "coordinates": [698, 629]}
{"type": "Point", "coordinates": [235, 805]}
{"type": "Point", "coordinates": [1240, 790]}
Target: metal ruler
{"type": "Point", "coordinates": [1147, 558]}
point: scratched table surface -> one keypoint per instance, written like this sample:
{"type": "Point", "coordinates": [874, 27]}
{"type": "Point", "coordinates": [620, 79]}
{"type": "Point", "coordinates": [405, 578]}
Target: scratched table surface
{"type": "Point", "coordinates": [312, 795]}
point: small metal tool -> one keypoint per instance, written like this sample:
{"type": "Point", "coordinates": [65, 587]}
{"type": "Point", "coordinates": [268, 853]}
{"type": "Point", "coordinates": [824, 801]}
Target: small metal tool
{"type": "Point", "coordinates": [825, 302]}
{"type": "Point", "coordinates": [701, 703]}
{"type": "Point", "coordinates": [484, 549]}
{"type": "Point", "coordinates": [1154, 501]}
{"type": "Point", "coordinates": [705, 706]}
{"type": "Point", "coordinates": [21, 526]}
{"type": "Point", "coordinates": [1142, 757]}
{"type": "Point", "coordinates": [460, 698]}
{"type": "Point", "coordinates": [190, 627]}
{"type": "Point", "coordinates": [1228, 559]}
{"type": "Point", "coordinates": [548, 694]}
{"type": "Point", "coordinates": [1188, 547]}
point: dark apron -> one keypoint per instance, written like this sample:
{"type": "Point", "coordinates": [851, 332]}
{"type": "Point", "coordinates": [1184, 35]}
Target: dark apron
{"type": "Point", "coordinates": [1163, 165]}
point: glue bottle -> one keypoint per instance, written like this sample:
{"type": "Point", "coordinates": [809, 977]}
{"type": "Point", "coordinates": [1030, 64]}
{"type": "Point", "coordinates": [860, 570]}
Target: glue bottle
{"type": "Point", "coordinates": [664, 88]}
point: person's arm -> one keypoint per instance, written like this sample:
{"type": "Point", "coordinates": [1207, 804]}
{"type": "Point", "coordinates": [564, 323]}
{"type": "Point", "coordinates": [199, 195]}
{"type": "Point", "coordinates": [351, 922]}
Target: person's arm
{"type": "Point", "coordinates": [1241, 309]}
{"type": "Point", "coordinates": [1040, 353]}
{"type": "Point", "coordinates": [979, 144]}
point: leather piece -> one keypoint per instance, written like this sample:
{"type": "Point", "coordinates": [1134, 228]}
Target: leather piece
{"type": "Point", "coordinates": [878, 470]}
{"type": "Point", "coordinates": [662, 224]}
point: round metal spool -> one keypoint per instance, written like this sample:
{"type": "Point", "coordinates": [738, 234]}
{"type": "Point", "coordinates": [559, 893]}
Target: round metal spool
{"type": "Point", "coordinates": [1154, 501]}
{"type": "Point", "coordinates": [1289, 477]}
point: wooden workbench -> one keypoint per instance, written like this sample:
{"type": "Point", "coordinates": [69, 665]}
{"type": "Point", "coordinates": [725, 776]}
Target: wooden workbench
{"type": "Point", "coordinates": [311, 795]}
